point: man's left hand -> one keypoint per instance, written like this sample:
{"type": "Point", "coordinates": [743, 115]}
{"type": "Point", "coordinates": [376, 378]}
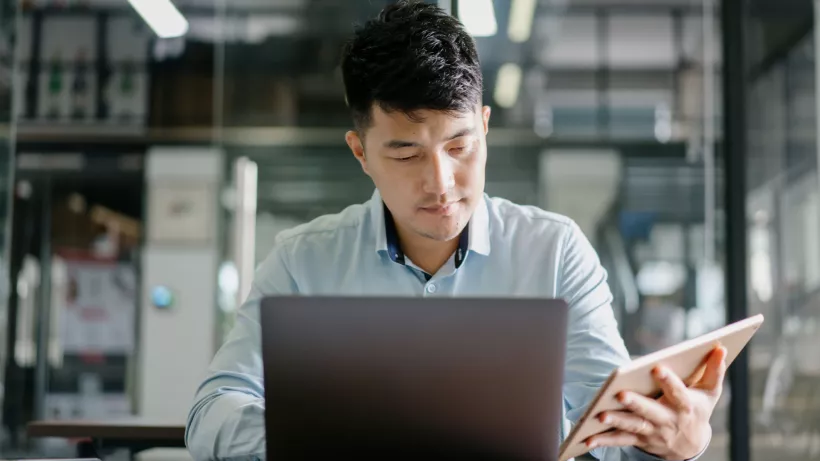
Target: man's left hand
{"type": "Point", "coordinates": [673, 427]}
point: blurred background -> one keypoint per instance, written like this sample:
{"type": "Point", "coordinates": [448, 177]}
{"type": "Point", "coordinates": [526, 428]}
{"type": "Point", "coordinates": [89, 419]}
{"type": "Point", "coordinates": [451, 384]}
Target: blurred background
{"type": "Point", "coordinates": [150, 151]}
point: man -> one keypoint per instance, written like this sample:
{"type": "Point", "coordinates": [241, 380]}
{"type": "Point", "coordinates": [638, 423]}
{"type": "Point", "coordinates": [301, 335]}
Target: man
{"type": "Point", "coordinates": [414, 86]}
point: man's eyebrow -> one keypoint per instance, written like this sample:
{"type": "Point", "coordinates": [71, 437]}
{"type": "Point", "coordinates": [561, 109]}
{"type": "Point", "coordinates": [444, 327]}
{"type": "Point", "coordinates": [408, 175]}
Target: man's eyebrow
{"type": "Point", "coordinates": [399, 144]}
{"type": "Point", "coordinates": [462, 132]}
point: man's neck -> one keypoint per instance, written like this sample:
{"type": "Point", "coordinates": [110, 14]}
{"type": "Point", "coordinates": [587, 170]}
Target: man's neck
{"type": "Point", "coordinates": [428, 254]}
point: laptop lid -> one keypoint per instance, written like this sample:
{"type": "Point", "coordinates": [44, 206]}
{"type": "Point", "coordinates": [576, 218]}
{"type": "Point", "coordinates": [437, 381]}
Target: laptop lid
{"type": "Point", "coordinates": [413, 378]}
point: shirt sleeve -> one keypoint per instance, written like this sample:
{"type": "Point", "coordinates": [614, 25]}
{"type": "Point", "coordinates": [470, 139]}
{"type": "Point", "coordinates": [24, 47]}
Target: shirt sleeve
{"type": "Point", "coordinates": [227, 419]}
{"type": "Point", "coordinates": [594, 344]}
{"type": "Point", "coordinates": [637, 454]}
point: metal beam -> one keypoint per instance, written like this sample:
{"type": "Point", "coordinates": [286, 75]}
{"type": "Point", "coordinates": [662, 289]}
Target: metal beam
{"type": "Point", "coordinates": [801, 31]}
{"type": "Point", "coordinates": [735, 92]}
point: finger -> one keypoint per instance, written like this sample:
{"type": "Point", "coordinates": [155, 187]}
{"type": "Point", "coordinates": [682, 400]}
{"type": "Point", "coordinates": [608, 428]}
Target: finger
{"type": "Point", "coordinates": [674, 390]}
{"type": "Point", "coordinates": [613, 439]}
{"type": "Point", "coordinates": [695, 378]}
{"type": "Point", "coordinates": [649, 409]}
{"type": "Point", "coordinates": [627, 422]}
{"type": "Point", "coordinates": [715, 370]}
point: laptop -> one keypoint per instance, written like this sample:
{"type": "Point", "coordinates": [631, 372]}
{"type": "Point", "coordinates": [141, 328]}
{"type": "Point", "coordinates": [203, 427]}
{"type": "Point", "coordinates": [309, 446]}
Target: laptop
{"type": "Point", "coordinates": [413, 378]}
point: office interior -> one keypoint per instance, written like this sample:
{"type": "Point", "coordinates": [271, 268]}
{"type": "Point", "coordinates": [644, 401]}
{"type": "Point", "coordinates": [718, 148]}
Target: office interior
{"type": "Point", "coordinates": [151, 151]}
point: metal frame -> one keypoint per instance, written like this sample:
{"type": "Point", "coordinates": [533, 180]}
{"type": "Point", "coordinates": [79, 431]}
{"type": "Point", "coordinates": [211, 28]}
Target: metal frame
{"type": "Point", "coordinates": [43, 323]}
{"type": "Point", "coordinates": [102, 65]}
{"type": "Point", "coordinates": [32, 94]}
{"type": "Point", "coordinates": [735, 91]}
{"type": "Point", "coordinates": [777, 55]}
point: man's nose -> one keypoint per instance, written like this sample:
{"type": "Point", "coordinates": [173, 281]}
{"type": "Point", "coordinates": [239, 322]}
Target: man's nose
{"type": "Point", "coordinates": [439, 178]}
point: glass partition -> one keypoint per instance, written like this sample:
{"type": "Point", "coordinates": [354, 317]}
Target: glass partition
{"type": "Point", "coordinates": [606, 113]}
{"type": "Point", "coordinates": [783, 224]}
{"type": "Point", "coordinates": [603, 111]}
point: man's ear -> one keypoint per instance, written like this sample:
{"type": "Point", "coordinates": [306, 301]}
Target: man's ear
{"type": "Point", "coordinates": [355, 142]}
{"type": "Point", "coordinates": [485, 115]}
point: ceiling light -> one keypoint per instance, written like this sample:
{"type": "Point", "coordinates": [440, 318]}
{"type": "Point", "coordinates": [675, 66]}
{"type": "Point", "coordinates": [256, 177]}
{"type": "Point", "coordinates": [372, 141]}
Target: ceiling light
{"type": "Point", "coordinates": [162, 16]}
{"type": "Point", "coordinates": [522, 13]}
{"type": "Point", "coordinates": [507, 85]}
{"type": "Point", "coordinates": [478, 17]}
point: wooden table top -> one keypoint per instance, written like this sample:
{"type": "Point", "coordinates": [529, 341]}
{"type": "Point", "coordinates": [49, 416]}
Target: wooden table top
{"type": "Point", "coordinates": [104, 429]}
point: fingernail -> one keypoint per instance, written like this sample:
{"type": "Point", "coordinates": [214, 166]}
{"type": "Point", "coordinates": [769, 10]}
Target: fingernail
{"type": "Point", "coordinates": [625, 399]}
{"type": "Point", "coordinates": [591, 445]}
{"type": "Point", "coordinates": [607, 420]}
{"type": "Point", "coordinates": [660, 373]}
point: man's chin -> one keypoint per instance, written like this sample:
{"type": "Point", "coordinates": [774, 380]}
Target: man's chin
{"type": "Point", "coordinates": [440, 237]}
{"type": "Point", "coordinates": [442, 234]}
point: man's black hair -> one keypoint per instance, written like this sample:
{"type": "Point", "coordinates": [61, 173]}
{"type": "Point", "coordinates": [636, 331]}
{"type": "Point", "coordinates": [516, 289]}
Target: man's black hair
{"type": "Point", "coordinates": [412, 56]}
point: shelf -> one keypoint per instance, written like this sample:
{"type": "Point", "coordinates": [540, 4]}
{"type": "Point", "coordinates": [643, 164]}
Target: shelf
{"type": "Point", "coordinates": [263, 137]}
{"type": "Point", "coordinates": [55, 129]}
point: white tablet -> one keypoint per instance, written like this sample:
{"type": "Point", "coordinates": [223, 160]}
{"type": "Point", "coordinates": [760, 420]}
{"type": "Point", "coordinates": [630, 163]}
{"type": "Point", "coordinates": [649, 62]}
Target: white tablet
{"type": "Point", "coordinates": [687, 359]}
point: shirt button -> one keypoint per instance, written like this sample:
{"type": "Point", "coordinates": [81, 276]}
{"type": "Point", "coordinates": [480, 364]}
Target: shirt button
{"type": "Point", "coordinates": [431, 288]}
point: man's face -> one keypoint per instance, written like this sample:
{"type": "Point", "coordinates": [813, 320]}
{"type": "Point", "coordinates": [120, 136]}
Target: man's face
{"type": "Point", "coordinates": [429, 168]}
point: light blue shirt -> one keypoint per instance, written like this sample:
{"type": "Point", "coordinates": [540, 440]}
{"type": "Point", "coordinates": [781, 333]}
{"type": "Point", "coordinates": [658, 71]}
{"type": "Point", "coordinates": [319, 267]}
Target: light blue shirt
{"type": "Point", "coordinates": [506, 250]}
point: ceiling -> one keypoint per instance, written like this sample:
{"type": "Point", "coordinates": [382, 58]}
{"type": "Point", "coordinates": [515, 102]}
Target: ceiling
{"type": "Point", "coordinates": [601, 67]}
{"type": "Point", "coordinates": [586, 61]}
{"type": "Point", "coordinates": [572, 41]}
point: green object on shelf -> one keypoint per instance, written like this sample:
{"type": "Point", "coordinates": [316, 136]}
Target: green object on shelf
{"type": "Point", "coordinates": [55, 76]}
{"type": "Point", "coordinates": [127, 79]}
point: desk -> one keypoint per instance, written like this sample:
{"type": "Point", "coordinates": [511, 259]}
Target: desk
{"type": "Point", "coordinates": [99, 437]}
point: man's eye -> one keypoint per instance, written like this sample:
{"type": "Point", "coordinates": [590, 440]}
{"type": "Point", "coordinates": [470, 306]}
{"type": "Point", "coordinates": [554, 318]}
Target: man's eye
{"type": "Point", "coordinates": [406, 159]}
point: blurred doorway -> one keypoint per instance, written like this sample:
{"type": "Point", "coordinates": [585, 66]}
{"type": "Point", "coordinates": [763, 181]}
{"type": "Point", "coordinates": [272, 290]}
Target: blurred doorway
{"type": "Point", "coordinates": [77, 233]}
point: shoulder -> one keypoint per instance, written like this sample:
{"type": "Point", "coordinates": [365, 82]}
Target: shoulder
{"type": "Point", "coordinates": [521, 221]}
{"type": "Point", "coordinates": [326, 229]}
{"type": "Point", "coordinates": [309, 245]}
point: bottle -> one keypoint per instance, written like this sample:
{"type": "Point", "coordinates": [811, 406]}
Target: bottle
{"type": "Point", "coordinates": [79, 88]}
{"type": "Point", "coordinates": [55, 86]}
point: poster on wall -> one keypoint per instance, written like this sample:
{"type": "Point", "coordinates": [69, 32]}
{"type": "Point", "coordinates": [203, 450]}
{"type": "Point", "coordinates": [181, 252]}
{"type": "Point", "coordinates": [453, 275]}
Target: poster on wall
{"type": "Point", "coordinates": [98, 305]}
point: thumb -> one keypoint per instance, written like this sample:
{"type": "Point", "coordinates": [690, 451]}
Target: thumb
{"type": "Point", "coordinates": [715, 370]}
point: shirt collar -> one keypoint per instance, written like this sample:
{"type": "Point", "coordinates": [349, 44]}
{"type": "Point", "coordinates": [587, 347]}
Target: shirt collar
{"type": "Point", "coordinates": [480, 228]}
{"type": "Point", "coordinates": [475, 237]}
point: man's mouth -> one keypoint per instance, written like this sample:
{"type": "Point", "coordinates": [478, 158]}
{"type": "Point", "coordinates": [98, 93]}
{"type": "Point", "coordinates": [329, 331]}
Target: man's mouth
{"type": "Point", "coordinates": [445, 209]}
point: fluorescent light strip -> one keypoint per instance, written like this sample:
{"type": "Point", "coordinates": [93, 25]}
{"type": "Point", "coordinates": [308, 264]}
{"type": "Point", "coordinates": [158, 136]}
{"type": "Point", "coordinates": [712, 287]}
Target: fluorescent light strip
{"type": "Point", "coordinates": [162, 16]}
{"type": "Point", "coordinates": [522, 13]}
{"type": "Point", "coordinates": [478, 17]}
{"type": "Point", "coordinates": [507, 85]}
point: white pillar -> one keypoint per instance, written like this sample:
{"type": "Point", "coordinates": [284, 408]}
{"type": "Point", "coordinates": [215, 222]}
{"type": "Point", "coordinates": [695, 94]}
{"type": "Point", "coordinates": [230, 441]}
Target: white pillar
{"type": "Point", "coordinates": [579, 183]}
{"type": "Point", "coordinates": [180, 258]}
{"type": "Point", "coordinates": [244, 225]}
